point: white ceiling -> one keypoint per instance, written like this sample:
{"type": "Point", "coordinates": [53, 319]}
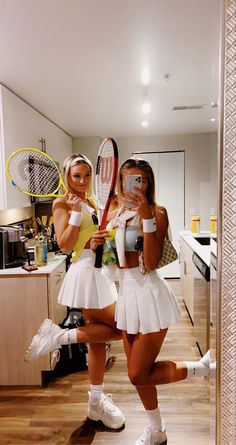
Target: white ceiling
{"type": "Point", "coordinates": [79, 62]}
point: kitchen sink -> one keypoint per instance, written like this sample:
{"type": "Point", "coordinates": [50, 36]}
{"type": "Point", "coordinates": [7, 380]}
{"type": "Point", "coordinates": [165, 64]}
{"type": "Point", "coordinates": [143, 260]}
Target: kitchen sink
{"type": "Point", "coordinates": [203, 240]}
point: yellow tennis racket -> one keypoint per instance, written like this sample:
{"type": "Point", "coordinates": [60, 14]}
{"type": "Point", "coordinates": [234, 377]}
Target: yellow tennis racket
{"type": "Point", "coordinates": [35, 173]}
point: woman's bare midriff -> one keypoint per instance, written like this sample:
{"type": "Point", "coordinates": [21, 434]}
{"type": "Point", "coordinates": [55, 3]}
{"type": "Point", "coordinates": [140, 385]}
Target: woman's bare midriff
{"type": "Point", "coordinates": [131, 260]}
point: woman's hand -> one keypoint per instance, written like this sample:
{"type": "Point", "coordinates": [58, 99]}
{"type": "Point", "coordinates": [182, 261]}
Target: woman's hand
{"type": "Point", "coordinates": [73, 202]}
{"type": "Point", "coordinates": [98, 238]}
{"type": "Point", "coordinates": [140, 203]}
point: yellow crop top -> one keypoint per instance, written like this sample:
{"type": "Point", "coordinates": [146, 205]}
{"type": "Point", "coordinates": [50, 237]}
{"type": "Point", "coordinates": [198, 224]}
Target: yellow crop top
{"type": "Point", "coordinates": [87, 228]}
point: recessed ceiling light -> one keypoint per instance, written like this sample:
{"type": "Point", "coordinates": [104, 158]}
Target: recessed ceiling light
{"type": "Point", "coordinates": [214, 105]}
{"type": "Point", "coordinates": [213, 119]}
{"type": "Point", "coordinates": [145, 76]}
{"type": "Point", "coordinates": [144, 124]}
{"type": "Point", "coordinates": [146, 108]}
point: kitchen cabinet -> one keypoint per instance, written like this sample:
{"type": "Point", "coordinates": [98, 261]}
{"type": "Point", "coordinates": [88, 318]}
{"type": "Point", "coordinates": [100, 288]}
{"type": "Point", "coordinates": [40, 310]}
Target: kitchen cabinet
{"type": "Point", "coordinates": [22, 126]}
{"type": "Point", "coordinates": [187, 276]}
{"type": "Point", "coordinates": [192, 244]}
{"type": "Point", "coordinates": [26, 299]}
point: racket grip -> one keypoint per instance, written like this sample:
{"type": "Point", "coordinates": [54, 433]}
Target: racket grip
{"type": "Point", "coordinates": [98, 259]}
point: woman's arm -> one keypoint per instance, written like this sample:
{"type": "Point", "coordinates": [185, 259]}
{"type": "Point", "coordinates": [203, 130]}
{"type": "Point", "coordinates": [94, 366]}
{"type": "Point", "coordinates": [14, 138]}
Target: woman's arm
{"type": "Point", "coordinates": [66, 234]}
{"type": "Point", "coordinates": [153, 242]}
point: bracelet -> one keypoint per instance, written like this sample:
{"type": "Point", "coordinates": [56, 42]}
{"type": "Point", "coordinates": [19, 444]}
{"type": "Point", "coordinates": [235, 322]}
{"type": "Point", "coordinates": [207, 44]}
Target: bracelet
{"type": "Point", "coordinates": [149, 225]}
{"type": "Point", "coordinates": [75, 218]}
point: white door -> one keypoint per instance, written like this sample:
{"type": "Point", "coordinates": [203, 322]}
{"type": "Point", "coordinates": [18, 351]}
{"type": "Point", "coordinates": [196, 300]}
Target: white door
{"type": "Point", "coordinates": [168, 168]}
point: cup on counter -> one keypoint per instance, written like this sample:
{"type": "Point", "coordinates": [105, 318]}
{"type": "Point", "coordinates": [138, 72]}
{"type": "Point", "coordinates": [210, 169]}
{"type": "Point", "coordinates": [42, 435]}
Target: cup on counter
{"type": "Point", "coordinates": [41, 254]}
{"type": "Point", "coordinates": [195, 224]}
{"type": "Point", "coordinates": [31, 255]}
{"type": "Point", "coordinates": [213, 224]}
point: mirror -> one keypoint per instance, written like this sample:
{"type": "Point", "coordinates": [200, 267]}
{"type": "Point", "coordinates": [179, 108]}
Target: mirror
{"type": "Point", "coordinates": [182, 129]}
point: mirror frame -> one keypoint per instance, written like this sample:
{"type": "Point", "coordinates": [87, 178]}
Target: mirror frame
{"type": "Point", "coordinates": [226, 237]}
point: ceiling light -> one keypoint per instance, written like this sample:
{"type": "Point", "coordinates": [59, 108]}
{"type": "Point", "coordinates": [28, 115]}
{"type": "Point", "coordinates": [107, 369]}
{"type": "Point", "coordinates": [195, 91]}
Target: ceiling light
{"type": "Point", "coordinates": [144, 124]}
{"type": "Point", "coordinates": [214, 105]}
{"type": "Point", "coordinates": [145, 76]}
{"type": "Point", "coordinates": [146, 108]}
{"type": "Point", "coordinates": [213, 119]}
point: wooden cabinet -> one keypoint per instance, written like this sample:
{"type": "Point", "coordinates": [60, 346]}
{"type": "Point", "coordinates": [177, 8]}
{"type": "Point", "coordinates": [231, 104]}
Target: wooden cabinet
{"type": "Point", "coordinates": [25, 301]}
{"type": "Point", "coordinates": [23, 126]}
{"type": "Point", "coordinates": [187, 276]}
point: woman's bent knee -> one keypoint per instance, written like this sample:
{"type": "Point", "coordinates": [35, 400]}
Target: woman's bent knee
{"type": "Point", "coordinates": [137, 378]}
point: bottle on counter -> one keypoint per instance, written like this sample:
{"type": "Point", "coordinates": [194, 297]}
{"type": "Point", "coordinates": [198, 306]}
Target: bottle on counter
{"type": "Point", "coordinates": [41, 251]}
{"type": "Point", "coordinates": [213, 224]}
{"type": "Point", "coordinates": [195, 224]}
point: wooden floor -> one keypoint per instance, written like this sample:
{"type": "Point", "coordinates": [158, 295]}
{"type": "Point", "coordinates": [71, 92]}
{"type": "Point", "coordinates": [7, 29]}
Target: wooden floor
{"type": "Point", "coordinates": [56, 414]}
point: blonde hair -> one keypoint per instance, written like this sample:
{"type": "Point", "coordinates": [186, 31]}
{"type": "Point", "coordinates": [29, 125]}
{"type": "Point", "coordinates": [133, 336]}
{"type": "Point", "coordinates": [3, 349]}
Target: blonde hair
{"type": "Point", "coordinates": [74, 159]}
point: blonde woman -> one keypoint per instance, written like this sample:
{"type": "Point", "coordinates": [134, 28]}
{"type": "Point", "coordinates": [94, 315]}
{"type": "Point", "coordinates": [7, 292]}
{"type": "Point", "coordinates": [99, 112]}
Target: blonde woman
{"type": "Point", "coordinates": [146, 305]}
{"type": "Point", "coordinates": [84, 287]}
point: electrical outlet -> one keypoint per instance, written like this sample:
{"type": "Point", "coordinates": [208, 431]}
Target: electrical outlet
{"type": "Point", "coordinates": [192, 211]}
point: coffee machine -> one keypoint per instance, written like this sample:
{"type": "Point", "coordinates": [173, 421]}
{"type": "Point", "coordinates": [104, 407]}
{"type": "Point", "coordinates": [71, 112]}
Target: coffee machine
{"type": "Point", "coordinates": [12, 247]}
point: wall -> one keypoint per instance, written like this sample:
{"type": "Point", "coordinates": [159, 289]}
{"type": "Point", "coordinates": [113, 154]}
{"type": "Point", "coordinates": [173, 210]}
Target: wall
{"type": "Point", "coordinates": [200, 164]}
{"type": "Point", "coordinates": [23, 126]}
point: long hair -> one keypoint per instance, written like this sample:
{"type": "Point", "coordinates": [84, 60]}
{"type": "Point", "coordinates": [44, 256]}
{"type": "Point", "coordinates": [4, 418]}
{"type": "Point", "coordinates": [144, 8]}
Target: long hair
{"type": "Point", "coordinates": [70, 161]}
{"type": "Point", "coordinates": [144, 166]}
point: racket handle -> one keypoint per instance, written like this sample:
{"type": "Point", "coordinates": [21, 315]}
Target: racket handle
{"type": "Point", "coordinates": [98, 259]}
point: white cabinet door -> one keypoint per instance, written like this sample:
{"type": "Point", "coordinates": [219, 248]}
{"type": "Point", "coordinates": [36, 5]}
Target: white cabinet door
{"type": "Point", "coordinates": [187, 277]}
{"type": "Point", "coordinates": [22, 126]}
{"type": "Point", "coordinates": [57, 312]}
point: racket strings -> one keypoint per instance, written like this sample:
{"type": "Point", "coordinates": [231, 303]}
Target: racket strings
{"type": "Point", "coordinates": [104, 178]}
{"type": "Point", "coordinates": [34, 173]}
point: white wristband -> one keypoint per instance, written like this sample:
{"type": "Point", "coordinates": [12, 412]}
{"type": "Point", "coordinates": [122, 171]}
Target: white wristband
{"type": "Point", "coordinates": [75, 218]}
{"type": "Point", "coordinates": [149, 225]}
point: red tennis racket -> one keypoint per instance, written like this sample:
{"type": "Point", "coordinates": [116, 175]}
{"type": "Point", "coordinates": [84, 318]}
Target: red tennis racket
{"type": "Point", "coordinates": [105, 184]}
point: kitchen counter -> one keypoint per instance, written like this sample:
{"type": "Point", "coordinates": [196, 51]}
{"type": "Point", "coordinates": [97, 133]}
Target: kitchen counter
{"type": "Point", "coordinates": [202, 251]}
{"type": "Point", "coordinates": [53, 263]}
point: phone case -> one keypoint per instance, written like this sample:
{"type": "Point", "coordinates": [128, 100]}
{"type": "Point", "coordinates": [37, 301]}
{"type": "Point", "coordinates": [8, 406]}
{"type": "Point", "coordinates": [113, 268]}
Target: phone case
{"type": "Point", "coordinates": [132, 181]}
{"type": "Point", "coordinates": [29, 267]}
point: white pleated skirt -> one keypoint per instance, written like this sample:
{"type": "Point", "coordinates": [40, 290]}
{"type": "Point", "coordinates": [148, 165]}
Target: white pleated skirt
{"type": "Point", "coordinates": [146, 303]}
{"type": "Point", "coordinates": [86, 287]}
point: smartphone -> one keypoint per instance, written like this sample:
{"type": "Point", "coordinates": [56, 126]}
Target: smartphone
{"type": "Point", "coordinates": [132, 181]}
{"type": "Point", "coordinates": [29, 267]}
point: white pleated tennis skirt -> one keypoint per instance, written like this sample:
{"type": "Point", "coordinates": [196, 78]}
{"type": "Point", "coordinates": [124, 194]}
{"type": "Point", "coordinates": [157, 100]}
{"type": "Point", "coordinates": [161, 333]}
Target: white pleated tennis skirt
{"type": "Point", "coordinates": [146, 303]}
{"type": "Point", "coordinates": [86, 287]}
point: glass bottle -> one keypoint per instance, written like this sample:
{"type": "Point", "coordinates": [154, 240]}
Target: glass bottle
{"type": "Point", "coordinates": [41, 251]}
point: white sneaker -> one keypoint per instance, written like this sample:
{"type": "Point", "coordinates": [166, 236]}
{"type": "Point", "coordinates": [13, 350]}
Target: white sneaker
{"type": "Point", "coordinates": [46, 340]}
{"type": "Point", "coordinates": [105, 410]}
{"type": "Point", "coordinates": [152, 437]}
{"type": "Point", "coordinates": [206, 361]}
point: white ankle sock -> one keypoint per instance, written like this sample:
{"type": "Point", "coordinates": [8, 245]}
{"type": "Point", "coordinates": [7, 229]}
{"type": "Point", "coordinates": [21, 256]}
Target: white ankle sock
{"type": "Point", "coordinates": [68, 337]}
{"type": "Point", "coordinates": [96, 392]}
{"type": "Point", "coordinates": [154, 417]}
{"type": "Point", "coordinates": [200, 368]}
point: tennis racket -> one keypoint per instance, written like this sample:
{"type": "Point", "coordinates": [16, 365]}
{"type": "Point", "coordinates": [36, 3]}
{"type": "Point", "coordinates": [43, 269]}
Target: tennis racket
{"type": "Point", "coordinates": [35, 173]}
{"type": "Point", "coordinates": [105, 183]}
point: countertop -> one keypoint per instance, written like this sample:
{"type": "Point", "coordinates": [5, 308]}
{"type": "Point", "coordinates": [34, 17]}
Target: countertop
{"type": "Point", "coordinates": [203, 252]}
{"type": "Point", "coordinates": [53, 263]}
